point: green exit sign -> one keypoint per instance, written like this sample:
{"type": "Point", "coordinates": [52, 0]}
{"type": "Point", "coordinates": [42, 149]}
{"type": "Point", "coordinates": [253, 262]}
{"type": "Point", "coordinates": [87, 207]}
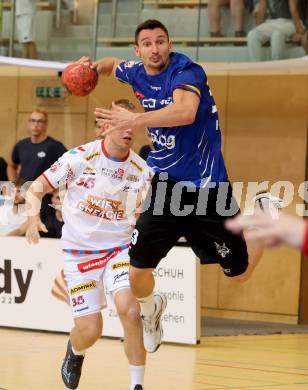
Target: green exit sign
{"type": "Point", "coordinates": [50, 92]}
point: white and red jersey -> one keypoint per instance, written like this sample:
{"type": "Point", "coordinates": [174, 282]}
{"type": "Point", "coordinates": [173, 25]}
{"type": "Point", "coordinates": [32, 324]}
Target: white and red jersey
{"type": "Point", "coordinates": [102, 196]}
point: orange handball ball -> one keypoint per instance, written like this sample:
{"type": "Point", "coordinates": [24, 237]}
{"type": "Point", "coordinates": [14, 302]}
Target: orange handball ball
{"type": "Point", "coordinates": [79, 79]}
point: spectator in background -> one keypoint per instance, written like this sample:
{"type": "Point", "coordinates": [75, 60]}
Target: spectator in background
{"type": "Point", "coordinates": [52, 219]}
{"type": "Point", "coordinates": [146, 149]}
{"type": "Point", "coordinates": [13, 219]}
{"type": "Point", "coordinates": [303, 11]}
{"type": "Point", "coordinates": [33, 155]}
{"type": "Point", "coordinates": [3, 167]}
{"type": "Point", "coordinates": [281, 25]}
{"type": "Point", "coordinates": [237, 10]}
{"type": "Point", "coordinates": [25, 15]}
{"type": "Point", "coordinates": [98, 130]}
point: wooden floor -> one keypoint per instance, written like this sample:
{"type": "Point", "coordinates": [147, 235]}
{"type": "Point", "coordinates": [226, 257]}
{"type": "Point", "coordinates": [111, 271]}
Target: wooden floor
{"type": "Point", "coordinates": [31, 360]}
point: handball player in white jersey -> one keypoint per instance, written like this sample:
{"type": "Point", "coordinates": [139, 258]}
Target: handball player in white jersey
{"type": "Point", "coordinates": [105, 180]}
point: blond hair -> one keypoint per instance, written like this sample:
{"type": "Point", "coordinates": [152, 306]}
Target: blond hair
{"type": "Point", "coordinates": [125, 103]}
{"type": "Point", "coordinates": [39, 111]}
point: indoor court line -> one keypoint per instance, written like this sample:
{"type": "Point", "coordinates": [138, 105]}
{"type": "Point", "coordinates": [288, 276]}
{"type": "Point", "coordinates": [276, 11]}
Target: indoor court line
{"type": "Point", "coordinates": [31, 360]}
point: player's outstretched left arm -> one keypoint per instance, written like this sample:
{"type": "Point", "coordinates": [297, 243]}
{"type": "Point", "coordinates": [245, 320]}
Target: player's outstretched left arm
{"type": "Point", "coordinates": [181, 112]}
{"type": "Point", "coordinates": [34, 196]}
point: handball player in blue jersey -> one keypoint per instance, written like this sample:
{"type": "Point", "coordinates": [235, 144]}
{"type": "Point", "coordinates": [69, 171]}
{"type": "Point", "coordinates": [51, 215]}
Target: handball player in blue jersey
{"type": "Point", "coordinates": [185, 197]}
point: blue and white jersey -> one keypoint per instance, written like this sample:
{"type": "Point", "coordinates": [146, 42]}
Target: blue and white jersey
{"type": "Point", "coordinates": [187, 153]}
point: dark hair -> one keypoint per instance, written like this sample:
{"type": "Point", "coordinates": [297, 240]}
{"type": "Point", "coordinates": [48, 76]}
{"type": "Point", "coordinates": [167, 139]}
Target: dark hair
{"type": "Point", "coordinates": [19, 182]}
{"type": "Point", "coordinates": [150, 24]}
{"type": "Point", "coordinates": [125, 103]}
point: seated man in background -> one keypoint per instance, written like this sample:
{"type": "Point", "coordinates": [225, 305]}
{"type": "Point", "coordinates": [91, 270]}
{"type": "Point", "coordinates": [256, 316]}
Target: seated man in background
{"type": "Point", "coordinates": [283, 22]}
{"type": "Point", "coordinates": [237, 10]}
{"type": "Point", "coordinates": [3, 167]}
{"type": "Point", "coordinates": [13, 219]}
{"type": "Point", "coordinates": [146, 149]}
{"type": "Point", "coordinates": [53, 219]}
{"type": "Point", "coordinates": [98, 130]}
{"type": "Point", "coordinates": [303, 10]}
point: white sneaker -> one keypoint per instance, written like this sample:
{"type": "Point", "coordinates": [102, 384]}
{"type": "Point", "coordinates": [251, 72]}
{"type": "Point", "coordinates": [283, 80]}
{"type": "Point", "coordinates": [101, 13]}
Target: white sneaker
{"type": "Point", "coordinates": [152, 328]}
{"type": "Point", "coordinates": [264, 199]}
{"type": "Point", "coordinates": [268, 203]}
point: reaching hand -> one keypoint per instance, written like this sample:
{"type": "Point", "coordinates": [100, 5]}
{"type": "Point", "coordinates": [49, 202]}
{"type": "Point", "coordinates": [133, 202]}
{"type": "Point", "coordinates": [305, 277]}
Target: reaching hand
{"type": "Point", "coordinates": [85, 61]}
{"type": "Point", "coordinates": [33, 229]}
{"type": "Point", "coordinates": [97, 65]}
{"type": "Point", "coordinates": [284, 230]}
{"type": "Point", "coordinates": [117, 119]}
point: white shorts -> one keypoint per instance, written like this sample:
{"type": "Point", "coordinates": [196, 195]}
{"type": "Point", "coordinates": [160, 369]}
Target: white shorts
{"type": "Point", "coordinates": [89, 276]}
{"type": "Point", "coordinates": [25, 28]}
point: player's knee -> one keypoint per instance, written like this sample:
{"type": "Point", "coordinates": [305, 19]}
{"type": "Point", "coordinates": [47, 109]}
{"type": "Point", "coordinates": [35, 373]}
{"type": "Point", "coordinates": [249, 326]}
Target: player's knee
{"type": "Point", "coordinates": [130, 315]}
{"type": "Point", "coordinates": [239, 273]}
{"type": "Point", "coordinates": [90, 331]}
{"type": "Point", "coordinates": [136, 275]}
{"type": "Point", "coordinates": [240, 278]}
{"type": "Point", "coordinates": [244, 276]}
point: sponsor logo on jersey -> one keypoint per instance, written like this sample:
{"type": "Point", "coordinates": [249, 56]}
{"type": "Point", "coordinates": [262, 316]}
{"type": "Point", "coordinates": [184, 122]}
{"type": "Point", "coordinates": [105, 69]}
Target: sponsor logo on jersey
{"type": "Point", "coordinates": [121, 264]}
{"type": "Point", "coordinates": [113, 173]}
{"type": "Point", "coordinates": [68, 175]}
{"type": "Point", "coordinates": [122, 276]}
{"type": "Point", "coordinates": [41, 154]}
{"type": "Point", "coordinates": [82, 309]}
{"type": "Point", "coordinates": [155, 88]}
{"type": "Point", "coordinates": [97, 263]}
{"type": "Point", "coordinates": [128, 188]}
{"type": "Point", "coordinates": [83, 287]}
{"type": "Point", "coordinates": [153, 103]}
{"type": "Point", "coordinates": [136, 165]}
{"type": "Point", "coordinates": [139, 95]}
{"type": "Point", "coordinates": [87, 173]}
{"type": "Point", "coordinates": [88, 168]}
{"type": "Point", "coordinates": [92, 155]}
{"type": "Point", "coordinates": [168, 142]}
{"type": "Point", "coordinates": [129, 64]}
{"type": "Point", "coordinates": [222, 250]}
{"type": "Point", "coordinates": [149, 103]}
{"type": "Point", "coordinates": [120, 172]}
{"type": "Point", "coordinates": [102, 208]}
{"type": "Point", "coordinates": [133, 178]}
{"type": "Point", "coordinates": [77, 150]}
{"type": "Point", "coordinates": [55, 166]}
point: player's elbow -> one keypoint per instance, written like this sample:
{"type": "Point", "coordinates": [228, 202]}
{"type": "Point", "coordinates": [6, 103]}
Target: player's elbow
{"type": "Point", "coordinates": [189, 116]}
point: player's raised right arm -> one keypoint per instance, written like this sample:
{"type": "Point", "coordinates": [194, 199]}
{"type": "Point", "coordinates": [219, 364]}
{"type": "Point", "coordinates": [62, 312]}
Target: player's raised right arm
{"type": "Point", "coordinates": [105, 67]}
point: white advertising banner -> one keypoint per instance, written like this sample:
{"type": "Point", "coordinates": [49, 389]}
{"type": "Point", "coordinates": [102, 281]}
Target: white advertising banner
{"type": "Point", "coordinates": [27, 273]}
